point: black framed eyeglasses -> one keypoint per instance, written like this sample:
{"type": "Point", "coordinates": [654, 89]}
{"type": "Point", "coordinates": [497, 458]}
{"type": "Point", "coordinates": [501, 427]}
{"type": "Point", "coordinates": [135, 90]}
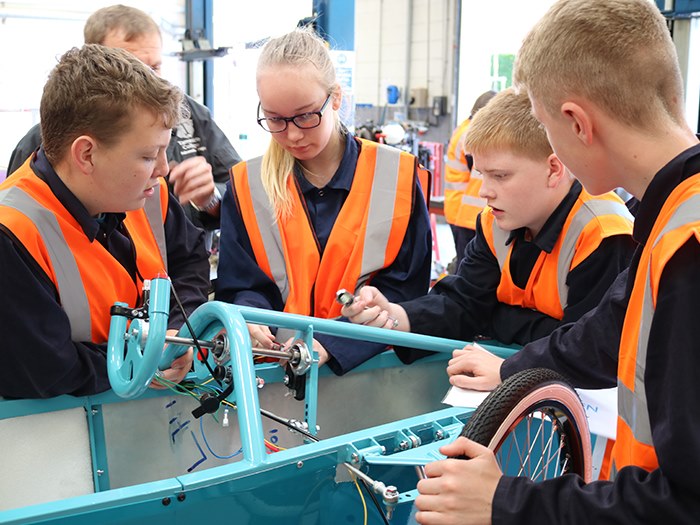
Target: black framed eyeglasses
{"type": "Point", "coordinates": [309, 120]}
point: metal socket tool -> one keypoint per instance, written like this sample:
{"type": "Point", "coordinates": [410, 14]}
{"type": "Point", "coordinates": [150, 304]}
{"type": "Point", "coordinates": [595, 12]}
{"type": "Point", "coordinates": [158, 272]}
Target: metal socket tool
{"type": "Point", "coordinates": [344, 297]}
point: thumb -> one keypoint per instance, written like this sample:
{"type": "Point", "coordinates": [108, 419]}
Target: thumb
{"type": "Point", "coordinates": [463, 447]}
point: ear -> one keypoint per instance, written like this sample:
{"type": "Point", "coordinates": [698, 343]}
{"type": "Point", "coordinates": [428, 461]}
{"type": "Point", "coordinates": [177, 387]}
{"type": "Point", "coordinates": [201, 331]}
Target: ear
{"type": "Point", "coordinates": [557, 172]}
{"type": "Point", "coordinates": [337, 97]}
{"type": "Point", "coordinates": [580, 121]}
{"type": "Point", "coordinates": [82, 153]}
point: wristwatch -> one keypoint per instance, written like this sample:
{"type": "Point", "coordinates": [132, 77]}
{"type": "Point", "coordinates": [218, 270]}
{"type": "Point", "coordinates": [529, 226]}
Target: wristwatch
{"type": "Point", "coordinates": [212, 204]}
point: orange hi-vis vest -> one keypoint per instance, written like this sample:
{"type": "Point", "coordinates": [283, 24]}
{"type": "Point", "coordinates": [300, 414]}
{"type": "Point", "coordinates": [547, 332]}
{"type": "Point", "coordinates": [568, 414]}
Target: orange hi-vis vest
{"type": "Point", "coordinates": [365, 238]}
{"type": "Point", "coordinates": [678, 222]}
{"type": "Point", "coordinates": [590, 220]}
{"type": "Point", "coordinates": [87, 277]}
{"type": "Point", "coordinates": [462, 202]}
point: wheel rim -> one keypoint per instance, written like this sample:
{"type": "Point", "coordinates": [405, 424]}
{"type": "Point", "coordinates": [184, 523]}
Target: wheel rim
{"type": "Point", "coordinates": [538, 438]}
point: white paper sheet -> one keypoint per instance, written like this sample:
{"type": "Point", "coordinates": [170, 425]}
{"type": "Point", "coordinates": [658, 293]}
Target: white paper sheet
{"type": "Point", "coordinates": [601, 409]}
{"type": "Point", "coordinates": [462, 397]}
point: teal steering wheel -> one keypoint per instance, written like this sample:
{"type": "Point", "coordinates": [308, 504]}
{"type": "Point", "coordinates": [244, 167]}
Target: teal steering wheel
{"type": "Point", "coordinates": [133, 353]}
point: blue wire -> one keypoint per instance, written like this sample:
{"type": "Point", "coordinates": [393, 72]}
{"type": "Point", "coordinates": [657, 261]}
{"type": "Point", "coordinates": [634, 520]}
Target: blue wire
{"type": "Point", "coordinates": [201, 427]}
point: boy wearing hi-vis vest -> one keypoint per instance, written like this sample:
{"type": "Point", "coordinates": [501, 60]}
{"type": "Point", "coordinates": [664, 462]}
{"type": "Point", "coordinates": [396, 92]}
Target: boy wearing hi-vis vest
{"type": "Point", "coordinates": [86, 220]}
{"type": "Point", "coordinates": [544, 253]}
{"type": "Point", "coordinates": [604, 80]}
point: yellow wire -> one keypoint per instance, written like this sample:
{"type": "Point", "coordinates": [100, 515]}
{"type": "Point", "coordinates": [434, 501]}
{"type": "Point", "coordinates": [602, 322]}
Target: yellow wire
{"type": "Point", "coordinates": [273, 445]}
{"type": "Point", "coordinates": [362, 498]}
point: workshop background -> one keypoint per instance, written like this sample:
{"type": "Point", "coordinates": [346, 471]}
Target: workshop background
{"type": "Point", "coordinates": [419, 63]}
{"type": "Point", "coordinates": [413, 46]}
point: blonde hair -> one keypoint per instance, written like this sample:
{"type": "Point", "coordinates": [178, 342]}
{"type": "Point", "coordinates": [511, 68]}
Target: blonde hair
{"type": "Point", "coordinates": [133, 22]}
{"type": "Point", "coordinates": [507, 123]}
{"type": "Point", "coordinates": [94, 91]}
{"type": "Point", "coordinates": [616, 53]}
{"type": "Point", "coordinates": [301, 47]}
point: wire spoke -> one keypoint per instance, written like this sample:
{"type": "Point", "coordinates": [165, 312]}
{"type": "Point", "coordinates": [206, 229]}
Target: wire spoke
{"type": "Point", "coordinates": [532, 442]}
{"type": "Point", "coordinates": [546, 450]}
{"type": "Point", "coordinates": [524, 445]}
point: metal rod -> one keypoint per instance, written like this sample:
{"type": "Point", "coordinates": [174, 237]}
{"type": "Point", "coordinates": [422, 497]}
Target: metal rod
{"type": "Point", "coordinates": [184, 341]}
{"type": "Point", "coordinates": [287, 424]}
{"type": "Point", "coordinates": [282, 354]}
{"type": "Point", "coordinates": [360, 474]}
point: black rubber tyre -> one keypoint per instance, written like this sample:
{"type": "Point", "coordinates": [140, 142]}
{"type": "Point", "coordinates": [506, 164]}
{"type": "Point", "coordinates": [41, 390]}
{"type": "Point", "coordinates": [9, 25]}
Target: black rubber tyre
{"type": "Point", "coordinates": [538, 401]}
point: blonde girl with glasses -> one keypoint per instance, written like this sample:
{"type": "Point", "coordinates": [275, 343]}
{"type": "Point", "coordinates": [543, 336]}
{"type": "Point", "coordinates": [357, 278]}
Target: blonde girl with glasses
{"type": "Point", "coordinates": [321, 210]}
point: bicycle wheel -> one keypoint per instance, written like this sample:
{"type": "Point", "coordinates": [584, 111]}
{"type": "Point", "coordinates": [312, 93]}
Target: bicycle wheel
{"type": "Point", "coordinates": [536, 426]}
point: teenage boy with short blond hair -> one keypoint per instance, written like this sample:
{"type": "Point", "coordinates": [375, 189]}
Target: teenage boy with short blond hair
{"type": "Point", "coordinates": [545, 250]}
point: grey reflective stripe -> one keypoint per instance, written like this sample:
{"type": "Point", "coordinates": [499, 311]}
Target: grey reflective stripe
{"type": "Point", "coordinates": [70, 285]}
{"type": "Point", "coordinates": [457, 165]}
{"type": "Point", "coordinates": [267, 225]}
{"type": "Point", "coordinates": [473, 201]}
{"type": "Point", "coordinates": [155, 220]}
{"type": "Point", "coordinates": [632, 406]}
{"type": "Point", "coordinates": [500, 237]}
{"type": "Point", "coordinates": [381, 210]}
{"type": "Point", "coordinates": [587, 212]}
{"type": "Point", "coordinates": [476, 174]}
{"type": "Point", "coordinates": [455, 186]}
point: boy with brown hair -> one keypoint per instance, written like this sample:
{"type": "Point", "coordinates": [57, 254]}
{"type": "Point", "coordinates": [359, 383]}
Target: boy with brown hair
{"type": "Point", "coordinates": [604, 81]}
{"type": "Point", "coordinates": [87, 220]}
{"type": "Point", "coordinates": [544, 253]}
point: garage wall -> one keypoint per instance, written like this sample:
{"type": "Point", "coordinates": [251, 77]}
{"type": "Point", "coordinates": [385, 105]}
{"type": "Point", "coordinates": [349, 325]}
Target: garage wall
{"type": "Point", "coordinates": [382, 30]}
{"type": "Point", "coordinates": [489, 30]}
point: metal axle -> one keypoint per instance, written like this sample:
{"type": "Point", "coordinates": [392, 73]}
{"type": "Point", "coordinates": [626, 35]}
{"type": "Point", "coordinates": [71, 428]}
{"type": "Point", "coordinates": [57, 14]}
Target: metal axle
{"type": "Point", "coordinates": [184, 341]}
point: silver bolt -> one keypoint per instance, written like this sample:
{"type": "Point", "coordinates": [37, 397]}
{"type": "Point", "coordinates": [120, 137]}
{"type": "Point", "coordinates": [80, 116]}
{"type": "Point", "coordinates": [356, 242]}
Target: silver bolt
{"type": "Point", "coordinates": [300, 464]}
{"type": "Point", "coordinates": [100, 471]}
{"type": "Point", "coordinates": [403, 445]}
{"type": "Point", "coordinates": [391, 498]}
{"type": "Point", "coordinates": [94, 411]}
{"type": "Point", "coordinates": [439, 434]}
{"type": "Point", "coordinates": [355, 457]}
